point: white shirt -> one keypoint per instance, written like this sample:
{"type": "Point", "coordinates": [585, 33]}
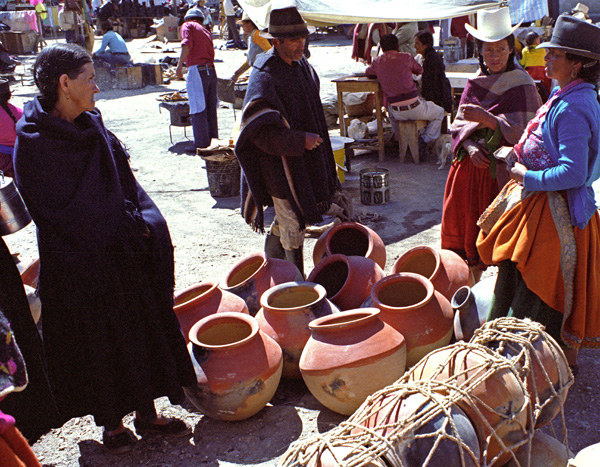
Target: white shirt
{"type": "Point", "coordinates": [228, 8]}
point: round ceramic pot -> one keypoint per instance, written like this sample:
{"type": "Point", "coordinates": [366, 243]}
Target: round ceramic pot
{"type": "Point", "coordinates": [588, 457]}
{"type": "Point", "coordinates": [286, 311]}
{"type": "Point", "coordinates": [347, 279]}
{"type": "Point", "coordinates": [200, 300]}
{"type": "Point", "coordinates": [471, 306]}
{"type": "Point", "coordinates": [538, 359]}
{"type": "Point", "coordinates": [238, 367]}
{"type": "Point", "coordinates": [255, 274]}
{"type": "Point", "coordinates": [339, 454]}
{"type": "Point", "coordinates": [445, 269]}
{"type": "Point", "coordinates": [422, 426]}
{"type": "Point", "coordinates": [350, 239]}
{"type": "Point", "coordinates": [349, 356]}
{"type": "Point", "coordinates": [495, 399]}
{"type": "Point", "coordinates": [409, 303]}
{"type": "Point", "coordinates": [546, 451]}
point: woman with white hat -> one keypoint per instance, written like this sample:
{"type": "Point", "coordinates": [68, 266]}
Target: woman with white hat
{"type": "Point", "coordinates": [547, 244]}
{"type": "Point", "coordinates": [494, 108]}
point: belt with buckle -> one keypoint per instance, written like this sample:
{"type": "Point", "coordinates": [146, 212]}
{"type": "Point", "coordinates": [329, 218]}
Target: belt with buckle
{"type": "Point", "coordinates": [205, 67]}
{"type": "Point", "coordinates": [401, 108]}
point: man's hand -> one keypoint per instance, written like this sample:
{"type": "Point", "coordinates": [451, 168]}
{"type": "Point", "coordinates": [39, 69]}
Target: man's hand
{"type": "Point", "coordinates": [477, 154]}
{"type": "Point", "coordinates": [517, 172]}
{"type": "Point", "coordinates": [179, 71]}
{"type": "Point", "coordinates": [312, 141]}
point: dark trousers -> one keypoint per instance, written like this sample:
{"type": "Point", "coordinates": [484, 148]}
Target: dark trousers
{"type": "Point", "coordinates": [204, 124]}
{"type": "Point", "coordinates": [234, 32]}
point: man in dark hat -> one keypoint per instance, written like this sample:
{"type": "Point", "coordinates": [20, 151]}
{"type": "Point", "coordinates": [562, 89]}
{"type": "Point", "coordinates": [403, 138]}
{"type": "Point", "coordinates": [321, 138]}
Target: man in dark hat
{"type": "Point", "coordinates": [283, 146]}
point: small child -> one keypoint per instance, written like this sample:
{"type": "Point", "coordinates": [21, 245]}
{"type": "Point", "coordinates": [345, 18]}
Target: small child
{"type": "Point", "coordinates": [533, 61]}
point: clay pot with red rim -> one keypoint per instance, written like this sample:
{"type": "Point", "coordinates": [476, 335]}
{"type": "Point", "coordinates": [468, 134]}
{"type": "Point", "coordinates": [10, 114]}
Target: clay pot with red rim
{"type": "Point", "coordinates": [238, 367]}
{"type": "Point", "coordinates": [349, 356]}
{"type": "Point", "coordinates": [495, 399]}
{"type": "Point", "coordinates": [350, 239]}
{"type": "Point", "coordinates": [445, 269]}
{"type": "Point", "coordinates": [200, 300]}
{"type": "Point", "coordinates": [255, 274]}
{"type": "Point", "coordinates": [347, 279]}
{"type": "Point", "coordinates": [287, 309]}
{"type": "Point", "coordinates": [409, 303]}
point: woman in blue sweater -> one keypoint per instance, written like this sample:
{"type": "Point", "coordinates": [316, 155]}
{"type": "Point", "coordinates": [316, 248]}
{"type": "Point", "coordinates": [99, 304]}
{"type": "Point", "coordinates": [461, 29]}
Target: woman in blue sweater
{"type": "Point", "coordinates": [543, 229]}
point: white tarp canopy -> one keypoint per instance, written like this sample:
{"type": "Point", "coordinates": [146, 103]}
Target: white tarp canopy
{"type": "Point", "coordinates": [323, 12]}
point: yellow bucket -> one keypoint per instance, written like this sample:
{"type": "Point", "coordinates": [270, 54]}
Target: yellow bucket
{"type": "Point", "coordinates": [339, 154]}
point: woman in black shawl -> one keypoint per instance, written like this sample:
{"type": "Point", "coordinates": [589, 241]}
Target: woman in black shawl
{"type": "Point", "coordinates": [106, 281]}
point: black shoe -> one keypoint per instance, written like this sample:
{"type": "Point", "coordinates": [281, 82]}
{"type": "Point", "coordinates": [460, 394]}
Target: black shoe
{"type": "Point", "coordinates": [118, 443]}
{"type": "Point", "coordinates": [190, 150]}
{"type": "Point", "coordinates": [174, 427]}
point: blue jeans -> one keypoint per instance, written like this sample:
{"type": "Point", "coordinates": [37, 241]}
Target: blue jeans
{"type": "Point", "coordinates": [204, 124]}
{"type": "Point", "coordinates": [113, 60]}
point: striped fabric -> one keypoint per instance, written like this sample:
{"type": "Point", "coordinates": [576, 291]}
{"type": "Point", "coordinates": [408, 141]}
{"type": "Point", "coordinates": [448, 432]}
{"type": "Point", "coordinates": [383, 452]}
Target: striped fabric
{"type": "Point", "coordinates": [527, 10]}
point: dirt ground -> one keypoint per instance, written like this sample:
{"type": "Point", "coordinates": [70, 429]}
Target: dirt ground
{"type": "Point", "coordinates": [210, 237]}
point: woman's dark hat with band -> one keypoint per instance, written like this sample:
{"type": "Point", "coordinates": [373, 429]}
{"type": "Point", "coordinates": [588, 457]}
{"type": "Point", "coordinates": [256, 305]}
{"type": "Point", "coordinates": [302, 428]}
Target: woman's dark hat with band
{"type": "Point", "coordinates": [285, 23]}
{"type": "Point", "coordinates": [575, 36]}
{"type": "Point", "coordinates": [4, 86]}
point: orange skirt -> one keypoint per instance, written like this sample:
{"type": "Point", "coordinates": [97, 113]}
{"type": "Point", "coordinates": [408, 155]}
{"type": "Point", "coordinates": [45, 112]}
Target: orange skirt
{"type": "Point", "coordinates": [527, 235]}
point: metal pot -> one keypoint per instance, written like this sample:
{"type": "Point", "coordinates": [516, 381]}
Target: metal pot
{"type": "Point", "coordinates": [13, 213]}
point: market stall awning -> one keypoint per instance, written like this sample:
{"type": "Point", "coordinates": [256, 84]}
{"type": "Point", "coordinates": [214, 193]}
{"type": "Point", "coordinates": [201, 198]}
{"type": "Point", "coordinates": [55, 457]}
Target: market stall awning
{"type": "Point", "coordinates": [331, 12]}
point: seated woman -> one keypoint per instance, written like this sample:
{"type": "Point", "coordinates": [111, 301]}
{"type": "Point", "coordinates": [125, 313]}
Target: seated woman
{"type": "Point", "coordinates": [547, 244]}
{"type": "Point", "coordinates": [106, 278]}
{"type": "Point", "coordinates": [494, 108]}
{"type": "Point", "coordinates": [435, 86]}
{"type": "Point", "coordinates": [9, 114]}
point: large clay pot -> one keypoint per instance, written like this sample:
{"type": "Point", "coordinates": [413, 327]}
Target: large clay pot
{"type": "Point", "coordinates": [471, 306]}
{"type": "Point", "coordinates": [255, 274]}
{"type": "Point", "coordinates": [421, 426]}
{"type": "Point", "coordinates": [286, 311]}
{"type": "Point", "coordinates": [409, 303]}
{"type": "Point", "coordinates": [337, 455]}
{"type": "Point", "coordinates": [347, 279]}
{"type": "Point", "coordinates": [546, 451]}
{"type": "Point", "coordinates": [494, 399]}
{"type": "Point", "coordinates": [445, 269]}
{"type": "Point", "coordinates": [200, 300]}
{"type": "Point", "coordinates": [349, 356]}
{"type": "Point", "coordinates": [238, 367]}
{"type": "Point", "coordinates": [350, 239]}
{"type": "Point", "coordinates": [538, 359]}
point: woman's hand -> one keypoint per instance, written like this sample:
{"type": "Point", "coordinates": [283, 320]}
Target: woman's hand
{"type": "Point", "coordinates": [476, 113]}
{"type": "Point", "coordinates": [312, 141]}
{"type": "Point", "coordinates": [517, 172]}
{"type": "Point", "coordinates": [477, 154]}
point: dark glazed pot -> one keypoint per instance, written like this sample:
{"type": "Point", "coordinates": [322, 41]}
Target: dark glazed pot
{"type": "Point", "coordinates": [347, 279]}
{"type": "Point", "coordinates": [445, 269]}
{"type": "Point", "coordinates": [350, 239]}
{"type": "Point", "coordinates": [200, 300]}
{"type": "Point", "coordinates": [471, 306]}
{"type": "Point", "coordinates": [409, 303]}
{"type": "Point", "coordinates": [238, 367]}
{"type": "Point", "coordinates": [255, 274]}
{"type": "Point", "coordinates": [287, 309]}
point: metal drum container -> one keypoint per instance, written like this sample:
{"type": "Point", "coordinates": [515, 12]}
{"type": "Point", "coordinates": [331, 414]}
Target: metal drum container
{"type": "Point", "coordinates": [374, 185]}
{"type": "Point", "coordinates": [13, 213]}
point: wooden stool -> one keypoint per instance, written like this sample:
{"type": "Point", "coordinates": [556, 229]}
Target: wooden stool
{"type": "Point", "coordinates": [408, 137]}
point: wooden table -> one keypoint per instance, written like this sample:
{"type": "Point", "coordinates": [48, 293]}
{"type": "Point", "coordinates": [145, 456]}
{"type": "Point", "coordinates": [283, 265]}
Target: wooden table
{"type": "Point", "coordinates": [362, 84]}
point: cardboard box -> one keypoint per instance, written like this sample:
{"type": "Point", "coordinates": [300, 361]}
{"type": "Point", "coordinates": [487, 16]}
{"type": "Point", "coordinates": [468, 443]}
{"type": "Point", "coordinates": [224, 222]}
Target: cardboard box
{"type": "Point", "coordinates": [169, 29]}
{"type": "Point", "coordinates": [19, 43]}
{"type": "Point", "coordinates": [129, 77]}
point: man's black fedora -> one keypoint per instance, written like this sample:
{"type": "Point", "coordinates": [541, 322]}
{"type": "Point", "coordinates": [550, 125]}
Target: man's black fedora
{"type": "Point", "coordinates": [286, 22]}
{"type": "Point", "coordinates": [575, 36]}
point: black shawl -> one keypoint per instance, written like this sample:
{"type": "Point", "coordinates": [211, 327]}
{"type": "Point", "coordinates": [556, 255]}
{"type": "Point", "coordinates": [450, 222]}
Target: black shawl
{"type": "Point", "coordinates": [106, 269]}
{"type": "Point", "coordinates": [286, 96]}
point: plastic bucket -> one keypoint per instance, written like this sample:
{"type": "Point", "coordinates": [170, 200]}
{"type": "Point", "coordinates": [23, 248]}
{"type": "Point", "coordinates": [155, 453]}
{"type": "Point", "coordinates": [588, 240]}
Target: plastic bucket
{"type": "Point", "coordinates": [374, 185]}
{"type": "Point", "coordinates": [223, 176]}
{"type": "Point", "coordinates": [338, 144]}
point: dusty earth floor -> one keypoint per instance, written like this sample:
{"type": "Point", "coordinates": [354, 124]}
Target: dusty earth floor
{"type": "Point", "coordinates": [210, 237]}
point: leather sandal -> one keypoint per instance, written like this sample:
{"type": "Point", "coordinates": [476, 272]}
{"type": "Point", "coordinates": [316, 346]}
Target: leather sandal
{"type": "Point", "coordinates": [174, 427]}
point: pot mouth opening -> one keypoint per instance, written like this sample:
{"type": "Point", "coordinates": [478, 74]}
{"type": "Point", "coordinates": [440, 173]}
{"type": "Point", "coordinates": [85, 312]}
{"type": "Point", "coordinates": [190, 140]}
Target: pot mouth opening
{"type": "Point", "coordinates": [221, 333]}
{"type": "Point", "coordinates": [403, 292]}
{"type": "Point", "coordinates": [245, 270]}
{"type": "Point", "coordinates": [424, 261]}
{"type": "Point", "coordinates": [292, 298]}
{"type": "Point", "coordinates": [333, 276]}
{"type": "Point", "coordinates": [460, 297]}
{"type": "Point", "coordinates": [191, 294]}
{"type": "Point", "coordinates": [350, 240]}
{"type": "Point", "coordinates": [344, 319]}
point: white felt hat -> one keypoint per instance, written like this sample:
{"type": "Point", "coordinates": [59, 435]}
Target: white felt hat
{"type": "Point", "coordinates": [493, 25]}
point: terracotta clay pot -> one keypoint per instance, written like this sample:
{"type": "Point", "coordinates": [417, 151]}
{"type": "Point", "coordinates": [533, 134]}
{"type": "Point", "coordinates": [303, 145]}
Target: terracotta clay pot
{"type": "Point", "coordinates": [494, 399]}
{"type": "Point", "coordinates": [413, 420]}
{"type": "Point", "coordinates": [255, 274]}
{"type": "Point", "coordinates": [546, 451]}
{"type": "Point", "coordinates": [335, 456]}
{"type": "Point", "coordinates": [409, 303]}
{"type": "Point", "coordinates": [200, 300]}
{"type": "Point", "coordinates": [445, 269]}
{"type": "Point", "coordinates": [471, 306]}
{"type": "Point", "coordinates": [238, 367]}
{"type": "Point", "coordinates": [349, 356]}
{"type": "Point", "coordinates": [538, 359]}
{"type": "Point", "coordinates": [286, 311]}
{"type": "Point", "coordinates": [350, 239]}
{"type": "Point", "coordinates": [347, 279]}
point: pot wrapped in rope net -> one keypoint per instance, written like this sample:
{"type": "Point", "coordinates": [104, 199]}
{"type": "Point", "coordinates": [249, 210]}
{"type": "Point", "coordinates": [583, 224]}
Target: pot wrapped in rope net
{"type": "Point", "coordinates": [539, 360]}
{"type": "Point", "coordinates": [403, 425]}
{"type": "Point", "coordinates": [493, 396]}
